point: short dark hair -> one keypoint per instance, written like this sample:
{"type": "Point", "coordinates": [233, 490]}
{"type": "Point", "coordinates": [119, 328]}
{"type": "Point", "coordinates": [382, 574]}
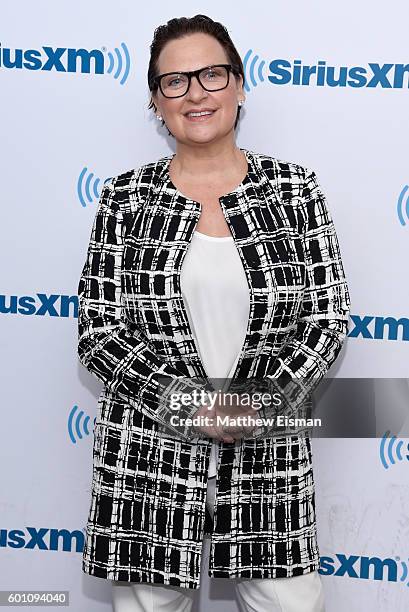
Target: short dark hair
{"type": "Point", "coordinates": [182, 26]}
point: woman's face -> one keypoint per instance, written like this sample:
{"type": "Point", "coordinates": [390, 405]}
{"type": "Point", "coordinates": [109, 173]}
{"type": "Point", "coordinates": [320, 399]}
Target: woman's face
{"type": "Point", "coordinates": [192, 52]}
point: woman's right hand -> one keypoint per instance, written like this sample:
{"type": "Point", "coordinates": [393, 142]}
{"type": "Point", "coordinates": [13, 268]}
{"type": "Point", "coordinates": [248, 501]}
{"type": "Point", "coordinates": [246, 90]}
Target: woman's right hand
{"type": "Point", "coordinates": [213, 428]}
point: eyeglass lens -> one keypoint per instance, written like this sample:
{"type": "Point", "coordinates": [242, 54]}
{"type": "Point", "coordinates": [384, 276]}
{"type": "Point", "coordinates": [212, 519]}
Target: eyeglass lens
{"type": "Point", "coordinates": [211, 79]}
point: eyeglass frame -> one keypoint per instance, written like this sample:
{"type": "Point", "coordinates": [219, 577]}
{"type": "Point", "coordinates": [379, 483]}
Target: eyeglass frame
{"type": "Point", "coordinates": [191, 73]}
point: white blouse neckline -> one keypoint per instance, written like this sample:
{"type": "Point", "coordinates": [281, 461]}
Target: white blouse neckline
{"type": "Point", "coordinates": [213, 238]}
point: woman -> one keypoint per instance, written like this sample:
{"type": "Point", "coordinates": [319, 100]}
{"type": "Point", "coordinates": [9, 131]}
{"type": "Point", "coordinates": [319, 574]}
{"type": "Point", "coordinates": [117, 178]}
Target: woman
{"type": "Point", "coordinates": [284, 301]}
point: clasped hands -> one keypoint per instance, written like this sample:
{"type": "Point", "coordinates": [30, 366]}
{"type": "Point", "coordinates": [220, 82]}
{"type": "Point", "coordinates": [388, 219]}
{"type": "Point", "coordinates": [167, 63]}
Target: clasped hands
{"type": "Point", "coordinates": [226, 433]}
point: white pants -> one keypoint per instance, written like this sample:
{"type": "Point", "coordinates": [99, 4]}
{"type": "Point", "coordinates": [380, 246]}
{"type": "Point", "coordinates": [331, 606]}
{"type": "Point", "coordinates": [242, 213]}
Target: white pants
{"type": "Point", "coordinates": [296, 594]}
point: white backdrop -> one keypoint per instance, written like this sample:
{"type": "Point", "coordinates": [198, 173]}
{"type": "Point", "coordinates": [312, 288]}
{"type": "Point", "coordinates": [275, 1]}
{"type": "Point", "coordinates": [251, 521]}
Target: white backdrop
{"type": "Point", "coordinates": [65, 130]}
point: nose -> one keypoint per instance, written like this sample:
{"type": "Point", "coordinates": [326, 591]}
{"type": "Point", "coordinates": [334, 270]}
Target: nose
{"type": "Point", "coordinates": [195, 88]}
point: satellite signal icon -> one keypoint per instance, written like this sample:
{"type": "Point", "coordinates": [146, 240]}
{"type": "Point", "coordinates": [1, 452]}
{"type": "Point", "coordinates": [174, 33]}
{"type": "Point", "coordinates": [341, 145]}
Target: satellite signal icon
{"type": "Point", "coordinates": [253, 70]}
{"type": "Point", "coordinates": [119, 63]}
{"type": "Point", "coordinates": [390, 450]}
{"type": "Point", "coordinates": [78, 424]}
{"type": "Point", "coordinates": [405, 571]}
{"type": "Point", "coordinates": [403, 206]}
{"type": "Point", "coordinates": [88, 187]}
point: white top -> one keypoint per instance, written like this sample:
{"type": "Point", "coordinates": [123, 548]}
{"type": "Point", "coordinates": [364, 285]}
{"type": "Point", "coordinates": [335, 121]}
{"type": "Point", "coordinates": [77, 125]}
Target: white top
{"type": "Point", "coordinates": [216, 295]}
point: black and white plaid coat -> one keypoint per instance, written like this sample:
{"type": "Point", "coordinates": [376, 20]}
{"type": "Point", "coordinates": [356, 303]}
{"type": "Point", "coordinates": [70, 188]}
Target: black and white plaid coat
{"type": "Point", "coordinates": [147, 514]}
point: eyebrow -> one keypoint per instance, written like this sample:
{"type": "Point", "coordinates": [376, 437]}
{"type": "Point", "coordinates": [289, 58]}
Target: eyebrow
{"type": "Point", "coordinates": [201, 67]}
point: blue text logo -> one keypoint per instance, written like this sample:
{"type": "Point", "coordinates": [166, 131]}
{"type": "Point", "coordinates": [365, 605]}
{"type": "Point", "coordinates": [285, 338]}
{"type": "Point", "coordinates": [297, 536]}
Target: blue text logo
{"type": "Point", "coordinates": [365, 568]}
{"type": "Point", "coordinates": [42, 538]}
{"type": "Point", "coordinates": [41, 304]}
{"type": "Point", "coordinates": [379, 328]}
{"type": "Point", "coordinates": [295, 72]}
{"type": "Point", "coordinates": [63, 59]}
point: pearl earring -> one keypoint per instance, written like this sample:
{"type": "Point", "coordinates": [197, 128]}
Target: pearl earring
{"type": "Point", "coordinates": [159, 117]}
{"type": "Point", "coordinates": [241, 102]}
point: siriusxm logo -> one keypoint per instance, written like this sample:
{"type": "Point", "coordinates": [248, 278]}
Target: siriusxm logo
{"type": "Point", "coordinates": [403, 205]}
{"type": "Point", "coordinates": [390, 450]}
{"type": "Point", "coordinates": [78, 424]}
{"type": "Point", "coordinates": [88, 187]}
{"type": "Point", "coordinates": [41, 305]}
{"type": "Point", "coordinates": [379, 328]}
{"type": "Point", "coordinates": [62, 59]}
{"type": "Point", "coordinates": [365, 568]}
{"type": "Point", "coordinates": [42, 539]}
{"type": "Point", "coordinates": [284, 72]}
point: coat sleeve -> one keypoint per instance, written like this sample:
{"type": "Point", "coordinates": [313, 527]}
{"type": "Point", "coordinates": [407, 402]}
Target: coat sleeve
{"type": "Point", "coordinates": [322, 324]}
{"type": "Point", "coordinates": [124, 361]}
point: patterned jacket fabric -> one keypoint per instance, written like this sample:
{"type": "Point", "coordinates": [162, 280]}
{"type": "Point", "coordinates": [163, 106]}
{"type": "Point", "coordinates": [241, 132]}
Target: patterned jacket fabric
{"type": "Point", "coordinates": [147, 512]}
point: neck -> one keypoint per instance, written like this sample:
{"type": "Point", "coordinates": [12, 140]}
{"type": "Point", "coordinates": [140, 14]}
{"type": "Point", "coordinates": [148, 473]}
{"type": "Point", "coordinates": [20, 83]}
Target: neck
{"type": "Point", "coordinates": [214, 164]}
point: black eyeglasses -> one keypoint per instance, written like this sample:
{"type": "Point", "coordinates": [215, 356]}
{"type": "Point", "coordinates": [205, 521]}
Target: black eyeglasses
{"type": "Point", "coordinates": [211, 78]}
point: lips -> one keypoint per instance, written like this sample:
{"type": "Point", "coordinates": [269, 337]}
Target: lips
{"type": "Point", "coordinates": [199, 110]}
{"type": "Point", "coordinates": [200, 117]}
